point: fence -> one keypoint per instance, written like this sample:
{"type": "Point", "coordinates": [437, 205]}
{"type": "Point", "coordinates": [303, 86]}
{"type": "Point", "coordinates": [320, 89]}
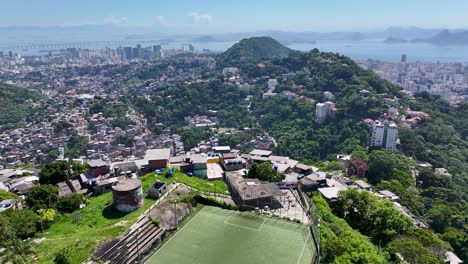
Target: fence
{"type": "Point", "coordinates": [313, 224]}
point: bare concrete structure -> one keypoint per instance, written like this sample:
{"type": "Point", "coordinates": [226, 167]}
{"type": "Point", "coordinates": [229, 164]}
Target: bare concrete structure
{"type": "Point", "coordinates": [127, 195]}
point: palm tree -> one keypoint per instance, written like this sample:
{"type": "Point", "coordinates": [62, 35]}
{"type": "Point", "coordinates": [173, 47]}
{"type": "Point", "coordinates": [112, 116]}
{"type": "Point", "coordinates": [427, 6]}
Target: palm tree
{"type": "Point", "coordinates": [19, 252]}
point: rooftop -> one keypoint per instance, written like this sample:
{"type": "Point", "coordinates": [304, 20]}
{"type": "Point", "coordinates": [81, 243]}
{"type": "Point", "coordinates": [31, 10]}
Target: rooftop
{"type": "Point", "coordinates": [158, 154]}
{"type": "Point", "coordinates": [95, 163]}
{"type": "Point", "coordinates": [361, 184]}
{"type": "Point", "coordinates": [126, 185]}
{"type": "Point", "coordinates": [260, 152]}
{"type": "Point", "coordinates": [250, 189]}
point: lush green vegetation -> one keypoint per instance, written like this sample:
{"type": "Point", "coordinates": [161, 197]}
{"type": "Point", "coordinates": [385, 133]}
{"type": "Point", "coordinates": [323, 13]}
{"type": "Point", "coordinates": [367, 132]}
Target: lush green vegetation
{"type": "Point", "coordinates": [339, 242]}
{"type": "Point", "coordinates": [55, 172]}
{"type": "Point", "coordinates": [127, 141]}
{"type": "Point", "coordinates": [253, 48]}
{"type": "Point", "coordinates": [76, 146]}
{"type": "Point", "coordinates": [383, 224]}
{"type": "Point", "coordinates": [376, 218]}
{"type": "Point", "coordinates": [191, 137]}
{"type": "Point", "coordinates": [191, 99]}
{"type": "Point", "coordinates": [217, 186]}
{"type": "Point", "coordinates": [85, 228]}
{"type": "Point", "coordinates": [264, 172]}
{"type": "Point", "coordinates": [4, 195]}
{"type": "Point", "coordinates": [16, 103]}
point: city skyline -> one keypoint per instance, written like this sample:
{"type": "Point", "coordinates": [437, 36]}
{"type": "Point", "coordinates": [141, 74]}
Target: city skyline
{"type": "Point", "coordinates": [214, 17]}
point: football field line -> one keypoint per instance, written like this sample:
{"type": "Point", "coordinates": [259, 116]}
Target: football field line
{"type": "Point", "coordinates": [257, 230]}
{"type": "Point", "coordinates": [177, 232]}
{"type": "Point", "coordinates": [302, 252]}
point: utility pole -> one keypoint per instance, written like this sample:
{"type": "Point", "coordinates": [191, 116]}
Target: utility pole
{"type": "Point", "coordinates": [175, 213]}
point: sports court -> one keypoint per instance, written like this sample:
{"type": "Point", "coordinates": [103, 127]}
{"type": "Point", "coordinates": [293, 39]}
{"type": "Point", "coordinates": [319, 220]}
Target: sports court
{"type": "Point", "coordinates": [218, 236]}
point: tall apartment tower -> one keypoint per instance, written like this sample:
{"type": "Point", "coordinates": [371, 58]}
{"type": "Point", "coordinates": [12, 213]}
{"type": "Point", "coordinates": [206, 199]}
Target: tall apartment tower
{"type": "Point", "coordinates": [378, 131]}
{"type": "Point", "coordinates": [384, 134]}
{"type": "Point", "coordinates": [157, 51]}
{"type": "Point", "coordinates": [324, 111]}
{"type": "Point", "coordinates": [403, 57]}
{"type": "Point", "coordinates": [392, 137]}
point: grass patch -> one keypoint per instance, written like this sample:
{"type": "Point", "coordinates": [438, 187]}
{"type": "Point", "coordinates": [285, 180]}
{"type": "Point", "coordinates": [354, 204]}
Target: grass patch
{"type": "Point", "coordinates": [84, 229]}
{"type": "Point", "coordinates": [217, 186]}
{"type": "Point", "coordinates": [4, 195]}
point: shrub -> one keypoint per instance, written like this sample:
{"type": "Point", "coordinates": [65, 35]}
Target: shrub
{"type": "Point", "coordinates": [70, 202]}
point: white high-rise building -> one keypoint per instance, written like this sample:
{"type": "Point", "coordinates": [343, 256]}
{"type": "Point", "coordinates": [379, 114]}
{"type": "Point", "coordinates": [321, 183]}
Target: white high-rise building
{"type": "Point", "coordinates": [323, 111]}
{"type": "Point", "coordinates": [378, 131]}
{"type": "Point", "coordinates": [272, 84]}
{"type": "Point", "coordinates": [392, 138]}
{"type": "Point", "coordinates": [384, 135]}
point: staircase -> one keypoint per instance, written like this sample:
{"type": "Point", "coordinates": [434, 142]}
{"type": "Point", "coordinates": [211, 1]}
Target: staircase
{"type": "Point", "coordinates": [136, 244]}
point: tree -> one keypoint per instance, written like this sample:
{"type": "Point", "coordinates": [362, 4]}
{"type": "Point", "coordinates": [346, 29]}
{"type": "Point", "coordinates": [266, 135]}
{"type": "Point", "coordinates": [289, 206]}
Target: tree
{"type": "Point", "coordinates": [43, 197]}
{"type": "Point", "coordinates": [412, 251]}
{"type": "Point", "coordinates": [55, 172]}
{"type": "Point", "coordinates": [264, 172]}
{"type": "Point", "coordinates": [24, 223]}
{"type": "Point", "coordinates": [76, 146]}
{"type": "Point", "coordinates": [70, 202]}
{"type": "Point", "coordinates": [335, 166]}
{"type": "Point", "coordinates": [458, 240]}
{"type": "Point", "coordinates": [428, 177]}
{"type": "Point", "coordinates": [19, 252]}
{"type": "Point", "coordinates": [339, 242]}
{"type": "Point", "coordinates": [63, 256]}
{"type": "Point", "coordinates": [387, 222]}
{"type": "Point", "coordinates": [373, 217]}
{"type": "Point", "coordinates": [46, 216]}
{"type": "Point", "coordinates": [380, 166]}
{"type": "Point", "coordinates": [7, 232]}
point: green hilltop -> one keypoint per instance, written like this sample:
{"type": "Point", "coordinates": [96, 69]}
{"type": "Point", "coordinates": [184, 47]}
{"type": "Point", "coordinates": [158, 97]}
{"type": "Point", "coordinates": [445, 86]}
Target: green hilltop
{"type": "Point", "coordinates": [254, 48]}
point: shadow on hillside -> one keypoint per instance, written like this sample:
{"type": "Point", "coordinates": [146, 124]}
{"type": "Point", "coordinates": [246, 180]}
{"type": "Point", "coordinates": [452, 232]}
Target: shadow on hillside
{"type": "Point", "coordinates": [111, 213]}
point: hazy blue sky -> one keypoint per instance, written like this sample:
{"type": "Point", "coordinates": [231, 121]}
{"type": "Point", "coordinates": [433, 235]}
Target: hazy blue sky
{"type": "Point", "coordinates": [240, 15]}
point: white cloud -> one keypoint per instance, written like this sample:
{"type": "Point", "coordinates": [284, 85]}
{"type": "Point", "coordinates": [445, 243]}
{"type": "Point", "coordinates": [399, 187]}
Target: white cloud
{"type": "Point", "coordinates": [200, 18]}
{"type": "Point", "coordinates": [115, 20]}
{"type": "Point", "coordinates": [161, 20]}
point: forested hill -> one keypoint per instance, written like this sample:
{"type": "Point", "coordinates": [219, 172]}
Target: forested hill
{"type": "Point", "coordinates": [16, 103]}
{"type": "Point", "coordinates": [292, 122]}
{"type": "Point", "coordinates": [253, 48]}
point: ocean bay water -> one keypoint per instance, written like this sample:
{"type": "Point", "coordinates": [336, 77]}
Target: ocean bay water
{"type": "Point", "coordinates": [358, 50]}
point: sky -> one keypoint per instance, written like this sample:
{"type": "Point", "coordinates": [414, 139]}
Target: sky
{"type": "Point", "coordinates": [216, 16]}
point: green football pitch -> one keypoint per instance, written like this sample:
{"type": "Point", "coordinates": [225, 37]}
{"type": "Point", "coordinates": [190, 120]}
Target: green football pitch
{"type": "Point", "coordinates": [217, 236]}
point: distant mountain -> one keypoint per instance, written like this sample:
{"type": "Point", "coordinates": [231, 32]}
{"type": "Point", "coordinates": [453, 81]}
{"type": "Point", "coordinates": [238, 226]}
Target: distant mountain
{"type": "Point", "coordinates": [204, 39]}
{"type": "Point", "coordinates": [254, 48]}
{"type": "Point", "coordinates": [408, 32]}
{"type": "Point", "coordinates": [445, 37]}
{"type": "Point", "coordinates": [392, 40]}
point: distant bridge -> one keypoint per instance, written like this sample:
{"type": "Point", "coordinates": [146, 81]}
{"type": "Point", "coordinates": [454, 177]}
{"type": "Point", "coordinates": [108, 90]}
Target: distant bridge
{"type": "Point", "coordinates": [82, 44]}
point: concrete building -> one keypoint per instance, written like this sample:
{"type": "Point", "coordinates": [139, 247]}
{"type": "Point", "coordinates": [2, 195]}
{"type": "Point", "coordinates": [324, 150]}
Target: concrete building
{"type": "Point", "coordinates": [157, 51]}
{"type": "Point", "coordinates": [272, 84]}
{"type": "Point", "coordinates": [384, 134]}
{"type": "Point", "coordinates": [252, 193]}
{"type": "Point", "coordinates": [127, 195]}
{"type": "Point", "coordinates": [98, 167]}
{"type": "Point", "coordinates": [158, 158]}
{"type": "Point", "coordinates": [157, 189]}
{"type": "Point", "coordinates": [324, 111]}
{"type": "Point", "coordinates": [392, 138]}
